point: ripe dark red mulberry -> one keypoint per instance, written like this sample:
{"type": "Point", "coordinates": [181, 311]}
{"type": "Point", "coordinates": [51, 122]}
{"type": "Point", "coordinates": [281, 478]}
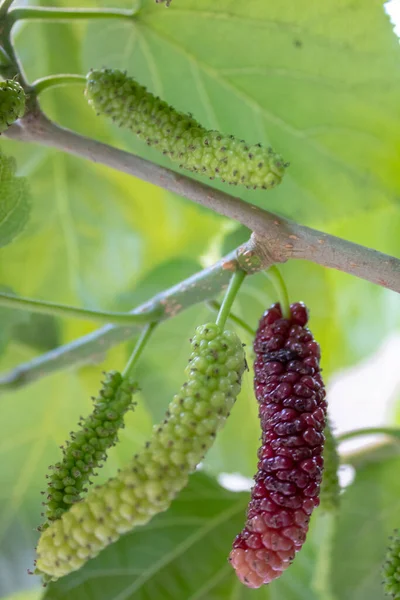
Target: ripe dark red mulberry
{"type": "Point", "coordinates": [292, 410]}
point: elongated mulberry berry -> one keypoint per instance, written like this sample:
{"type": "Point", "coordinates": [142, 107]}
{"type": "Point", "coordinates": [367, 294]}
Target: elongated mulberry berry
{"type": "Point", "coordinates": [391, 568]}
{"type": "Point", "coordinates": [180, 136]}
{"type": "Point", "coordinates": [155, 475]}
{"type": "Point", "coordinates": [87, 447]}
{"type": "Point", "coordinates": [292, 410]}
{"type": "Point", "coordinates": [12, 103]}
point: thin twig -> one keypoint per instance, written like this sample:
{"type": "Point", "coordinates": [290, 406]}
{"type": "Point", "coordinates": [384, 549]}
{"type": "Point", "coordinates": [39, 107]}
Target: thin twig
{"type": "Point", "coordinates": [92, 347]}
{"type": "Point", "coordinates": [349, 435]}
{"type": "Point", "coordinates": [276, 238]}
{"type": "Point", "coordinates": [67, 14]}
{"type": "Point", "coordinates": [63, 310]}
{"type": "Point", "coordinates": [51, 81]}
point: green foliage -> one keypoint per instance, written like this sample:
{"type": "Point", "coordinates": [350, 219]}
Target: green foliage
{"type": "Point", "coordinates": [391, 569]}
{"type": "Point", "coordinates": [9, 321]}
{"type": "Point", "coordinates": [14, 200]}
{"type": "Point", "coordinates": [295, 76]}
{"type": "Point", "coordinates": [330, 486]}
{"type": "Point", "coordinates": [153, 478]}
{"type": "Point", "coordinates": [87, 448]}
{"type": "Point", "coordinates": [368, 515]}
{"type": "Point", "coordinates": [113, 94]}
{"type": "Point", "coordinates": [12, 103]}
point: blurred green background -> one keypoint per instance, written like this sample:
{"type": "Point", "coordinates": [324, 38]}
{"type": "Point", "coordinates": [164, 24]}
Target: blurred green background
{"type": "Point", "coordinates": [320, 82]}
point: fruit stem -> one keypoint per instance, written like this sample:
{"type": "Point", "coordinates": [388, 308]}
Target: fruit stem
{"type": "Point", "coordinates": [214, 305]}
{"type": "Point", "coordinates": [230, 295]}
{"type": "Point", "coordinates": [321, 582]}
{"type": "Point", "coordinates": [67, 14]}
{"type": "Point", "coordinates": [138, 349]}
{"type": "Point", "coordinates": [45, 83]}
{"type": "Point", "coordinates": [278, 282]}
{"type": "Point", "coordinates": [63, 310]}
{"type": "Point", "coordinates": [4, 6]}
{"type": "Point", "coordinates": [392, 431]}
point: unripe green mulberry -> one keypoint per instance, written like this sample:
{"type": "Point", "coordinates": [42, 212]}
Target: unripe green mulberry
{"type": "Point", "coordinates": [155, 475]}
{"type": "Point", "coordinates": [12, 103]}
{"type": "Point", "coordinates": [330, 486]}
{"type": "Point", "coordinates": [87, 448]}
{"type": "Point", "coordinates": [391, 568]}
{"type": "Point", "coordinates": [113, 94]}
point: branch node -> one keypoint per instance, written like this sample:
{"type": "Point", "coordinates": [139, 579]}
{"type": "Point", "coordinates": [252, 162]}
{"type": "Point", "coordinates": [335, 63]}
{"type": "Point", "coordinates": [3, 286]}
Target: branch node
{"type": "Point", "coordinates": [255, 255]}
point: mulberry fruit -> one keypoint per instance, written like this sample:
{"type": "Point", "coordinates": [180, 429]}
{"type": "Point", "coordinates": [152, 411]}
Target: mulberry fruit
{"type": "Point", "coordinates": [87, 448]}
{"type": "Point", "coordinates": [155, 475]}
{"type": "Point", "coordinates": [330, 486]}
{"type": "Point", "coordinates": [12, 103]}
{"type": "Point", "coordinates": [292, 410]}
{"type": "Point", "coordinates": [113, 94]}
{"type": "Point", "coordinates": [391, 568]}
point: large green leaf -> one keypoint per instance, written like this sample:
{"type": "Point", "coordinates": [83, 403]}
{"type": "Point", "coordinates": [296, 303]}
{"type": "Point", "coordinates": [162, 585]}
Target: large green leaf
{"type": "Point", "coordinates": [182, 555]}
{"type": "Point", "coordinates": [9, 319]}
{"type": "Point", "coordinates": [291, 74]}
{"type": "Point", "coordinates": [370, 512]}
{"type": "Point", "coordinates": [319, 81]}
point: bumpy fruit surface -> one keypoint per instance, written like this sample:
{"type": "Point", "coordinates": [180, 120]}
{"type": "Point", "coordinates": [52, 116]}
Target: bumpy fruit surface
{"type": "Point", "coordinates": [330, 486]}
{"type": "Point", "coordinates": [87, 447]}
{"type": "Point", "coordinates": [155, 475]}
{"type": "Point", "coordinates": [292, 410]}
{"type": "Point", "coordinates": [391, 568]}
{"type": "Point", "coordinates": [179, 136]}
{"type": "Point", "coordinates": [12, 103]}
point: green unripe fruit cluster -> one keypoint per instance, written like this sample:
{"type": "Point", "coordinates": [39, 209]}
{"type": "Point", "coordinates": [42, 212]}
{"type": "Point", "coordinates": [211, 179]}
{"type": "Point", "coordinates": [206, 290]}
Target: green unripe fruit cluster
{"type": "Point", "coordinates": [87, 448]}
{"type": "Point", "coordinates": [391, 568]}
{"type": "Point", "coordinates": [115, 95]}
{"type": "Point", "coordinates": [12, 103]}
{"type": "Point", "coordinates": [155, 475]}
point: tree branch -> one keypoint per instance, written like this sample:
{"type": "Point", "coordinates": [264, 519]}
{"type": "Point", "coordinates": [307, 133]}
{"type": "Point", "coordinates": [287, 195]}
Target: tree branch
{"type": "Point", "coordinates": [92, 347]}
{"type": "Point", "coordinates": [276, 239]}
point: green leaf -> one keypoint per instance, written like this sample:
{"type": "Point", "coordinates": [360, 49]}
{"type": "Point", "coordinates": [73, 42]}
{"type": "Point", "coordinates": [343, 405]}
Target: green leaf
{"type": "Point", "coordinates": [29, 595]}
{"type": "Point", "coordinates": [9, 320]}
{"type": "Point", "coordinates": [323, 96]}
{"type": "Point", "coordinates": [369, 513]}
{"type": "Point", "coordinates": [38, 331]}
{"type": "Point", "coordinates": [164, 275]}
{"type": "Point", "coordinates": [181, 555]}
{"type": "Point", "coordinates": [14, 201]}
